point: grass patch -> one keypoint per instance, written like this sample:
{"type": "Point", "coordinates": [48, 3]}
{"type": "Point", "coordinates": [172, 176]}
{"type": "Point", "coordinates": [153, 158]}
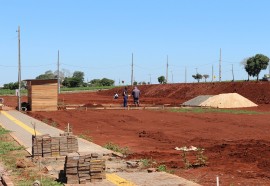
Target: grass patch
{"type": "Point", "coordinates": [10, 152]}
{"type": "Point", "coordinates": [213, 110]}
{"type": "Point", "coordinates": [65, 89]}
{"type": "Point", "coordinates": [86, 137]}
{"type": "Point", "coordinates": [117, 148]}
{"type": "Point", "coordinates": [54, 124]}
{"type": "Point", "coordinates": [201, 159]}
{"type": "Point", "coordinates": [12, 92]}
{"type": "Point", "coordinates": [44, 182]}
{"type": "Point", "coordinates": [148, 162]}
{"type": "Point", "coordinates": [163, 168]}
{"type": "Point", "coordinates": [6, 147]}
{"type": "Point", "coordinates": [3, 131]}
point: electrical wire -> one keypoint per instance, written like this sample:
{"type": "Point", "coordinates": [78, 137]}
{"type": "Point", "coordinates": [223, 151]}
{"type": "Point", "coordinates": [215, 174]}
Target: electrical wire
{"type": "Point", "coordinates": [98, 68]}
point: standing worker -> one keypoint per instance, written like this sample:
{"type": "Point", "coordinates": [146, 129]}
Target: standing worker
{"type": "Point", "coordinates": [136, 95]}
{"type": "Point", "coordinates": [125, 95]}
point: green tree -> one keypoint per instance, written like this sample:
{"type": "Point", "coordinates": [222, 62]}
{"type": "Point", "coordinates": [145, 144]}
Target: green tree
{"type": "Point", "coordinates": [75, 82]}
{"type": "Point", "coordinates": [205, 76]}
{"type": "Point", "coordinates": [95, 82]}
{"type": "Point", "coordinates": [198, 77]}
{"type": "Point", "coordinates": [47, 75]}
{"type": "Point", "coordinates": [78, 76]}
{"type": "Point", "coordinates": [15, 85]}
{"type": "Point", "coordinates": [106, 82]}
{"type": "Point", "coordinates": [66, 82]}
{"type": "Point", "coordinates": [255, 64]}
{"type": "Point", "coordinates": [161, 80]}
{"type": "Point", "coordinates": [11, 86]}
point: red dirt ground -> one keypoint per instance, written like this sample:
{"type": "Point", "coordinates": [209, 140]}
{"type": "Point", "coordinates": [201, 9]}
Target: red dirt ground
{"type": "Point", "coordinates": [237, 145]}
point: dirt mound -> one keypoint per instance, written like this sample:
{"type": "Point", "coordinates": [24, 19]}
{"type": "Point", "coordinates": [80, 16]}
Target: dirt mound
{"type": "Point", "coordinates": [197, 101]}
{"type": "Point", "coordinates": [229, 100]}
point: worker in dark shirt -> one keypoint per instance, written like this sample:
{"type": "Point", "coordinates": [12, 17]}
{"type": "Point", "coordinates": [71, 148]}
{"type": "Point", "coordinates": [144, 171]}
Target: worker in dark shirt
{"type": "Point", "coordinates": [125, 96]}
{"type": "Point", "coordinates": [136, 95]}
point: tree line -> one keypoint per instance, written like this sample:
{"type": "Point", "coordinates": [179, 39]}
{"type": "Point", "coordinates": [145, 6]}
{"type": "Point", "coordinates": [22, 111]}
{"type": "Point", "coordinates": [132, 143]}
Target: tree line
{"type": "Point", "coordinates": [253, 66]}
{"type": "Point", "coordinates": [66, 80]}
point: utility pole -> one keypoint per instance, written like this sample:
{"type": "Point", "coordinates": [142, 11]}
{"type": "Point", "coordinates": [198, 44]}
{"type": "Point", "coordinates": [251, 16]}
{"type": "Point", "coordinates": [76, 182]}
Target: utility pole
{"type": "Point", "coordinates": [167, 66]}
{"type": "Point", "coordinates": [220, 66]}
{"type": "Point", "coordinates": [196, 71]}
{"type": "Point", "coordinates": [232, 73]}
{"type": "Point", "coordinates": [172, 75]}
{"type": "Point", "coordinates": [19, 68]}
{"type": "Point", "coordinates": [132, 70]}
{"type": "Point", "coordinates": [150, 79]}
{"type": "Point", "coordinates": [185, 74]}
{"type": "Point", "coordinates": [58, 73]}
{"type": "Point", "coordinates": [212, 73]}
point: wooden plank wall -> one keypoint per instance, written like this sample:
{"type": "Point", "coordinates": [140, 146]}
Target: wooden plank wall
{"type": "Point", "coordinates": [44, 97]}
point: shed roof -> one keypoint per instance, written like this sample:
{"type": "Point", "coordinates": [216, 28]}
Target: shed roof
{"type": "Point", "coordinates": [41, 81]}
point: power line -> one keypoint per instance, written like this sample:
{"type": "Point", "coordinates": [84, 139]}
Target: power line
{"type": "Point", "coordinates": [161, 67]}
{"type": "Point", "coordinates": [107, 67]}
{"type": "Point", "coordinates": [26, 66]}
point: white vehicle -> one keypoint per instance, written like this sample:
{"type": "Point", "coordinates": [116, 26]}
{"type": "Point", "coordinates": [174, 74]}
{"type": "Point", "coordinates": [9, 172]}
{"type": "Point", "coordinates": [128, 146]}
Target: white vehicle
{"type": "Point", "coordinates": [266, 77]}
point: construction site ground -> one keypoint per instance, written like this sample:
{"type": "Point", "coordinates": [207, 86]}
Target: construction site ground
{"type": "Point", "coordinates": [117, 169]}
{"type": "Point", "coordinates": [236, 145]}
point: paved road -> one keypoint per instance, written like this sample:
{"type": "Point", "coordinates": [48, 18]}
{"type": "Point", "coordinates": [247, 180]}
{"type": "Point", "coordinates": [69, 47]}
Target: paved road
{"type": "Point", "coordinates": [22, 127]}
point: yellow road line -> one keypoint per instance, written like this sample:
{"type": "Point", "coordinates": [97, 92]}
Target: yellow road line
{"type": "Point", "coordinates": [21, 124]}
{"type": "Point", "coordinates": [117, 180]}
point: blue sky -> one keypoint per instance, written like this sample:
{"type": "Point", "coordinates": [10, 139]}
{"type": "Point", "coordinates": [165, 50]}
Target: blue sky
{"type": "Point", "coordinates": [98, 37]}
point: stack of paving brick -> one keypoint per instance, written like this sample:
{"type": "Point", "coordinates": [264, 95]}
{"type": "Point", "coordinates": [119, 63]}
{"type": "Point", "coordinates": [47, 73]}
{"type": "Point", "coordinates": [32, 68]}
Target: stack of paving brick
{"type": "Point", "coordinates": [55, 146]}
{"type": "Point", "coordinates": [97, 168]}
{"type": "Point", "coordinates": [71, 168]}
{"type": "Point", "coordinates": [72, 144]}
{"type": "Point", "coordinates": [46, 146]}
{"type": "Point", "coordinates": [84, 168]}
{"type": "Point", "coordinates": [37, 145]}
{"type": "Point", "coordinates": [63, 146]}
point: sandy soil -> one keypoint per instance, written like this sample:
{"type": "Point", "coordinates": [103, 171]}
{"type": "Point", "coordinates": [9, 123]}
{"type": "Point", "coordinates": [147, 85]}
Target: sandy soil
{"type": "Point", "coordinates": [237, 145]}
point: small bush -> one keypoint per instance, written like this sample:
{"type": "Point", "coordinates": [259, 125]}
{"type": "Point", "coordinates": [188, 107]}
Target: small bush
{"type": "Point", "coordinates": [148, 162]}
{"type": "Point", "coordinates": [162, 168]}
{"type": "Point", "coordinates": [6, 147]}
{"type": "Point", "coordinates": [84, 136]}
{"type": "Point", "coordinates": [116, 148]}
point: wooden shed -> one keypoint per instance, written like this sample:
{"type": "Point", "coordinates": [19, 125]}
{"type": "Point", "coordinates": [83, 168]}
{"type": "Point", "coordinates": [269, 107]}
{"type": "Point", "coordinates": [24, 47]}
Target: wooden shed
{"type": "Point", "coordinates": [42, 94]}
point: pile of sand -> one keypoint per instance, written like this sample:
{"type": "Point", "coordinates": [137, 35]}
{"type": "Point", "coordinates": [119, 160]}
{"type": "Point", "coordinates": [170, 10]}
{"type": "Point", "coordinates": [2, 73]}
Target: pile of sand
{"type": "Point", "coordinates": [229, 100]}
